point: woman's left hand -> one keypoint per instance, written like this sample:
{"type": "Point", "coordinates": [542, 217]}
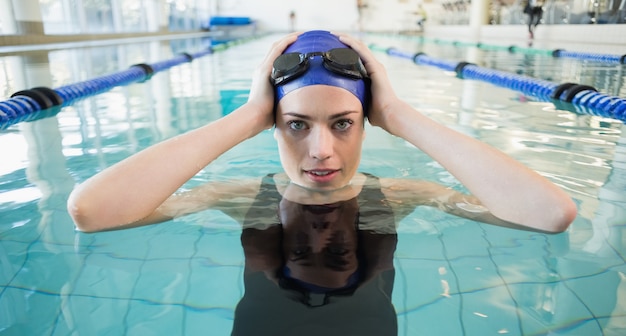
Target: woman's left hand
{"type": "Point", "coordinates": [509, 190]}
{"type": "Point", "coordinates": [383, 95]}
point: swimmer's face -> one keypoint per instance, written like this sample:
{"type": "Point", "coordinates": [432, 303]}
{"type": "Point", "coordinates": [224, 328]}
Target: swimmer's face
{"type": "Point", "coordinates": [319, 129]}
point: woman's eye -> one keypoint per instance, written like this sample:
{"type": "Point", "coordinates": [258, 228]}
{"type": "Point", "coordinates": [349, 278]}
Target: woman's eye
{"type": "Point", "coordinates": [296, 125]}
{"type": "Point", "coordinates": [343, 124]}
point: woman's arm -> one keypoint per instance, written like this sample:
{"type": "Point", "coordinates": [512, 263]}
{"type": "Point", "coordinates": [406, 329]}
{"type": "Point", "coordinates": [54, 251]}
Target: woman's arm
{"type": "Point", "coordinates": [404, 195]}
{"type": "Point", "coordinates": [510, 190]}
{"type": "Point", "coordinates": [128, 193]}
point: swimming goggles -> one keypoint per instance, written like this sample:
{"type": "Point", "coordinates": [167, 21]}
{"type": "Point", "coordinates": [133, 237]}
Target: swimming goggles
{"type": "Point", "coordinates": [342, 61]}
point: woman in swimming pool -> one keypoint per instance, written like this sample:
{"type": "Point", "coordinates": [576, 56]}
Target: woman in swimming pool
{"type": "Point", "coordinates": [322, 98]}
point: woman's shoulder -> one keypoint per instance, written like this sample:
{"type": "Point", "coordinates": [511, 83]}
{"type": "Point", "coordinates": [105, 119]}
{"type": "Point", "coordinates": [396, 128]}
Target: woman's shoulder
{"type": "Point", "coordinates": [232, 196]}
{"type": "Point", "coordinates": [394, 186]}
{"type": "Point", "coordinates": [405, 194]}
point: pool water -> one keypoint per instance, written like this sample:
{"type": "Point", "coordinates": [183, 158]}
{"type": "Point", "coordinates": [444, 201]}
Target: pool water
{"type": "Point", "coordinates": [453, 276]}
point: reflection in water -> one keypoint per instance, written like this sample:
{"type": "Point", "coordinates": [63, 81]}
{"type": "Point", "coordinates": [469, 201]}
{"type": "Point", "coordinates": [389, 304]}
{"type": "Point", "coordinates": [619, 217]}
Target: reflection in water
{"type": "Point", "coordinates": [46, 171]}
{"type": "Point", "coordinates": [318, 268]}
{"type": "Point", "coordinates": [617, 323]}
{"type": "Point", "coordinates": [610, 213]}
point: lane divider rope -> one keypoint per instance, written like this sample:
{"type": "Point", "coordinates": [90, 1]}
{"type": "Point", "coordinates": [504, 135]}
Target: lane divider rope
{"type": "Point", "coordinates": [42, 102]}
{"type": "Point", "coordinates": [573, 97]}
{"type": "Point", "coordinates": [558, 53]}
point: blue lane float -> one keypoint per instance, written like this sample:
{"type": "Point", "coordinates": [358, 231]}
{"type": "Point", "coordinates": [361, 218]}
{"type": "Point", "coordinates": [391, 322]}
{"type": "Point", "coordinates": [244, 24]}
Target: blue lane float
{"type": "Point", "coordinates": [557, 53]}
{"type": "Point", "coordinates": [604, 58]}
{"type": "Point", "coordinates": [573, 97]}
{"type": "Point", "coordinates": [42, 102]}
{"type": "Point", "coordinates": [72, 92]}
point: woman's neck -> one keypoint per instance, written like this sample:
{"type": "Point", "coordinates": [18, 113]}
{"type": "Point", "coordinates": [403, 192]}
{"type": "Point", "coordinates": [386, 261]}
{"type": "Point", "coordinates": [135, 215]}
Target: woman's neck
{"type": "Point", "coordinates": [304, 195]}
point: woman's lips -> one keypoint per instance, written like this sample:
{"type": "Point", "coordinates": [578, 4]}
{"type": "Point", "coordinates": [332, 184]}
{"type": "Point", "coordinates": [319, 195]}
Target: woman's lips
{"type": "Point", "coordinates": [321, 175]}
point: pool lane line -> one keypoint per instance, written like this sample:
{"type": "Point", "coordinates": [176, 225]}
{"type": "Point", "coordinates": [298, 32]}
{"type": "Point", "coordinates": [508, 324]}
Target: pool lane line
{"type": "Point", "coordinates": [42, 102]}
{"type": "Point", "coordinates": [573, 97]}
{"type": "Point", "coordinates": [557, 53]}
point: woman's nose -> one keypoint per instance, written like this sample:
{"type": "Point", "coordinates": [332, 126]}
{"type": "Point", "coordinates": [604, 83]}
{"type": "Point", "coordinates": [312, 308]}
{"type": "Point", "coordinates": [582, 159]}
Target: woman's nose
{"type": "Point", "coordinates": [321, 144]}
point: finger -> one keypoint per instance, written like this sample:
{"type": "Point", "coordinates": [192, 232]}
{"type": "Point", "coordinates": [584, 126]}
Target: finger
{"type": "Point", "coordinates": [263, 70]}
{"type": "Point", "coordinates": [359, 46]}
{"type": "Point", "coordinates": [351, 41]}
{"type": "Point", "coordinates": [287, 40]}
{"type": "Point", "coordinates": [279, 46]}
{"type": "Point", "coordinates": [367, 57]}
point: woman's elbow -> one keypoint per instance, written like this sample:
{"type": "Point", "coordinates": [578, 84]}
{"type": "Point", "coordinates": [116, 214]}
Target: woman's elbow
{"type": "Point", "coordinates": [562, 216]}
{"type": "Point", "coordinates": [92, 215]}
{"type": "Point", "coordinates": [81, 215]}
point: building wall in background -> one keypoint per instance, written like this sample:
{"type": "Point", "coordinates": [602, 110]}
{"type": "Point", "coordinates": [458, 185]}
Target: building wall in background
{"type": "Point", "coordinates": [340, 15]}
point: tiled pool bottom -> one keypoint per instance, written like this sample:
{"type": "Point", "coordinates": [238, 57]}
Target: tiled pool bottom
{"type": "Point", "coordinates": [184, 278]}
{"type": "Point", "coordinates": [125, 284]}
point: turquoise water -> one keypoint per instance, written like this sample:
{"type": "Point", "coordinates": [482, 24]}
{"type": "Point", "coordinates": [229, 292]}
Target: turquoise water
{"type": "Point", "coordinates": [452, 276]}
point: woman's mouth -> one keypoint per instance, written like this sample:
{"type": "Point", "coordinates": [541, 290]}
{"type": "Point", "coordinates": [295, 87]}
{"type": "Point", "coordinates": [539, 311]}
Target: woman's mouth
{"type": "Point", "coordinates": [321, 175]}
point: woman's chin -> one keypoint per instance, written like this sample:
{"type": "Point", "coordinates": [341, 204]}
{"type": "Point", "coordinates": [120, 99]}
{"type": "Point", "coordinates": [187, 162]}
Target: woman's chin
{"type": "Point", "coordinates": [322, 184]}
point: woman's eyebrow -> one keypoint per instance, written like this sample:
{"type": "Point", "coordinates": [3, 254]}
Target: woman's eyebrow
{"type": "Point", "coordinates": [297, 115]}
{"type": "Point", "coordinates": [341, 114]}
{"type": "Point", "coordinates": [308, 117]}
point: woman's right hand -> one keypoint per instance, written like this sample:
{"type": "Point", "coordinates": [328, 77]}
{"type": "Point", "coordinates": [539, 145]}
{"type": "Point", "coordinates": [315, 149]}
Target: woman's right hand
{"type": "Point", "coordinates": [261, 96]}
{"type": "Point", "coordinates": [138, 190]}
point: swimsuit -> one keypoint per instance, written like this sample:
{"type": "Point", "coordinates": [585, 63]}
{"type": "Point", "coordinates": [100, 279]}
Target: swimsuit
{"type": "Point", "coordinates": [267, 309]}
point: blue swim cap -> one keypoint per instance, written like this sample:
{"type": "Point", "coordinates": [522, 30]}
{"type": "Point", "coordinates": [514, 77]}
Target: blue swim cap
{"type": "Point", "coordinates": [321, 41]}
